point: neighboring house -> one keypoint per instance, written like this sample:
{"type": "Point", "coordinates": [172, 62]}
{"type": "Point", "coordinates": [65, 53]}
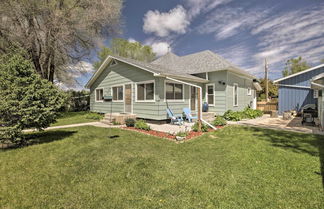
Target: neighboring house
{"type": "Point", "coordinates": [317, 84]}
{"type": "Point", "coordinates": [295, 90]}
{"type": "Point", "coordinates": [146, 89]}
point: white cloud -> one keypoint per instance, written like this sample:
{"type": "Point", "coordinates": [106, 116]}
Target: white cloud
{"type": "Point", "coordinates": [131, 40]}
{"type": "Point", "coordinates": [228, 22]}
{"type": "Point", "coordinates": [162, 24]}
{"type": "Point", "coordinates": [196, 7]}
{"type": "Point", "coordinates": [160, 48]}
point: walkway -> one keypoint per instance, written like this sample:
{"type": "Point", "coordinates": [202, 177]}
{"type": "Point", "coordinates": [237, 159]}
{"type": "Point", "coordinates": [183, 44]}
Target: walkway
{"type": "Point", "coordinates": [97, 124]}
{"type": "Point", "coordinates": [279, 124]}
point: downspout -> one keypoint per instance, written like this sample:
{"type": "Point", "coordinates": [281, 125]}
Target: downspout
{"type": "Point", "coordinates": [200, 89]}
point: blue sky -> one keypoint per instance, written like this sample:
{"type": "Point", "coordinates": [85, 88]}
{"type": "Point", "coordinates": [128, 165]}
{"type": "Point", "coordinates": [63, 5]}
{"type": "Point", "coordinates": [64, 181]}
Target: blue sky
{"type": "Point", "coordinates": [244, 32]}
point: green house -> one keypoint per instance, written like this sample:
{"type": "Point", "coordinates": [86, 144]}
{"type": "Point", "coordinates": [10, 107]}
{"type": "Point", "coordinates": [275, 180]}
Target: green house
{"type": "Point", "coordinates": [147, 89]}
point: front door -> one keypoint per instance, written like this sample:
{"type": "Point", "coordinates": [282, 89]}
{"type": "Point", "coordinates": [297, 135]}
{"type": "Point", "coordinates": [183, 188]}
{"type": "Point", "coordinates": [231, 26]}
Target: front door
{"type": "Point", "coordinates": [193, 95]}
{"type": "Point", "coordinates": [128, 98]}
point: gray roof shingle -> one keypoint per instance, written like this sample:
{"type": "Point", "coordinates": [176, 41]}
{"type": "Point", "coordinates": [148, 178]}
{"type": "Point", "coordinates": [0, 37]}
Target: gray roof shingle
{"type": "Point", "coordinates": [200, 62]}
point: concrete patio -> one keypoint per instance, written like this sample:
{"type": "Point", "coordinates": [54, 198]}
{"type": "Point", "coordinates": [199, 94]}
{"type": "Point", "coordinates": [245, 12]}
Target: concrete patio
{"type": "Point", "coordinates": [279, 124]}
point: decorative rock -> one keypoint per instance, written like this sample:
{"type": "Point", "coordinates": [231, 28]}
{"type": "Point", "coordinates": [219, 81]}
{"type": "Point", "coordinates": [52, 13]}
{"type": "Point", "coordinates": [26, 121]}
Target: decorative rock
{"type": "Point", "coordinates": [287, 116]}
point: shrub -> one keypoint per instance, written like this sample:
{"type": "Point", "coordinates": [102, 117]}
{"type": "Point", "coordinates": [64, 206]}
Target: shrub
{"type": "Point", "coordinates": [141, 124]}
{"type": "Point", "coordinates": [233, 116]}
{"type": "Point", "coordinates": [130, 122]}
{"type": "Point", "coordinates": [204, 127]}
{"type": "Point", "coordinates": [27, 100]}
{"type": "Point", "coordinates": [219, 121]}
{"type": "Point", "coordinates": [250, 113]}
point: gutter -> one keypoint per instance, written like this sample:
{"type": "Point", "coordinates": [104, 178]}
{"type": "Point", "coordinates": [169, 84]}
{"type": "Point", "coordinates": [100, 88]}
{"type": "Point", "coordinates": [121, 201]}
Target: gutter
{"type": "Point", "coordinates": [316, 84]}
{"type": "Point", "coordinates": [200, 89]}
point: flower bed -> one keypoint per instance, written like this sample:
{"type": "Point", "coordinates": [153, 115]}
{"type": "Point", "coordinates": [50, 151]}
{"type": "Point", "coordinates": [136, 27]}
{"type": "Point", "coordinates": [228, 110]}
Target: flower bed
{"type": "Point", "coordinates": [190, 135]}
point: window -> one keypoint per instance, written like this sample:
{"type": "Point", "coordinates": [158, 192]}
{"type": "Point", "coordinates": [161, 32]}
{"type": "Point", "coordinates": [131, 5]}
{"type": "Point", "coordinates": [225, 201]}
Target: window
{"type": "Point", "coordinates": [235, 94]}
{"type": "Point", "coordinates": [118, 93]}
{"type": "Point", "coordinates": [99, 95]}
{"type": "Point", "coordinates": [315, 94]}
{"type": "Point", "coordinates": [249, 92]}
{"type": "Point", "coordinates": [210, 94]}
{"type": "Point", "coordinates": [173, 91]}
{"type": "Point", "coordinates": [145, 91]}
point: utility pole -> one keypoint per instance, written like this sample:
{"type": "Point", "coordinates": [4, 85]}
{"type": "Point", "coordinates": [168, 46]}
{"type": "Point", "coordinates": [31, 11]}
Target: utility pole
{"type": "Point", "coordinates": [266, 79]}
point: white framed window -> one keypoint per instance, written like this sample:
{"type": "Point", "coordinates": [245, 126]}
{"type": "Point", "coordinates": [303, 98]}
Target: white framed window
{"type": "Point", "coordinates": [118, 93]}
{"type": "Point", "coordinates": [99, 94]}
{"type": "Point", "coordinates": [249, 92]}
{"type": "Point", "coordinates": [174, 91]}
{"type": "Point", "coordinates": [235, 94]}
{"type": "Point", "coordinates": [315, 94]}
{"type": "Point", "coordinates": [210, 94]}
{"type": "Point", "coordinates": [145, 91]}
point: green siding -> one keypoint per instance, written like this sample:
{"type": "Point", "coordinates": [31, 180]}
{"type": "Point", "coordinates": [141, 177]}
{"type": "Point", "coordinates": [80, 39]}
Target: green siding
{"type": "Point", "coordinates": [220, 91]}
{"type": "Point", "coordinates": [124, 74]}
{"type": "Point", "coordinates": [244, 100]}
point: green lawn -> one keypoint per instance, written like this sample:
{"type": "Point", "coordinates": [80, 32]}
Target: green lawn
{"type": "Point", "coordinates": [236, 167]}
{"type": "Point", "coordinates": [67, 118]}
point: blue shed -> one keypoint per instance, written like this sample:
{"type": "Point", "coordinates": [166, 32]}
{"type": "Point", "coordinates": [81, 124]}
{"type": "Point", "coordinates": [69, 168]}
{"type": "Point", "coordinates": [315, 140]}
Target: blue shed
{"type": "Point", "coordinates": [295, 90]}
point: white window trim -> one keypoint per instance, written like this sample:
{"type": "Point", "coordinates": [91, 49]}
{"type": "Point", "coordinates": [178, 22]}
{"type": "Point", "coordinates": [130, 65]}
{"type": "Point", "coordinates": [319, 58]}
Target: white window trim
{"type": "Point", "coordinates": [249, 93]}
{"type": "Point", "coordinates": [174, 100]}
{"type": "Point", "coordinates": [315, 94]}
{"type": "Point", "coordinates": [112, 93]}
{"type": "Point", "coordinates": [96, 94]}
{"type": "Point", "coordinates": [213, 85]}
{"type": "Point", "coordinates": [235, 105]}
{"type": "Point", "coordinates": [145, 82]}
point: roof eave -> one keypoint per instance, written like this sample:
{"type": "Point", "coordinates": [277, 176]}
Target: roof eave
{"type": "Point", "coordinates": [299, 73]}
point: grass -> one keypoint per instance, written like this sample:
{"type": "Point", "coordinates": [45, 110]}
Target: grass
{"type": "Point", "coordinates": [67, 118]}
{"type": "Point", "coordinates": [235, 167]}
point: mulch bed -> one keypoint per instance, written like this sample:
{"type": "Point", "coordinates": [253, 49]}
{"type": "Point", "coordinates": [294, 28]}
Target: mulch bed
{"type": "Point", "coordinates": [191, 134]}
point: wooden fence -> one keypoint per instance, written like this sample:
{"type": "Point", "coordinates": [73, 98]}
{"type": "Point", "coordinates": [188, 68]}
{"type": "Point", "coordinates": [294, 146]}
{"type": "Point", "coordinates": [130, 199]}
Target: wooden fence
{"type": "Point", "coordinates": [267, 106]}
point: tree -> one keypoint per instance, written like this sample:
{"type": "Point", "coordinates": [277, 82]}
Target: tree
{"type": "Point", "coordinates": [295, 65]}
{"type": "Point", "coordinates": [124, 48]}
{"type": "Point", "coordinates": [273, 89]}
{"type": "Point", "coordinates": [27, 100]}
{"type": "Point", "coordinates": [56, 33]}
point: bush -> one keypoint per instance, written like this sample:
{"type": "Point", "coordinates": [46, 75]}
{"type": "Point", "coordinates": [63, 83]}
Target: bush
{"type": "Point", "coordinates": [27, 100]}
{"type": "Point", "coordinates": [141, 124]}
{"type": "Point", "coordinates": [233, 116]}
{"type": "Point", "coordinates": [251, 114]}
{"type": "Point", "coordinates": [219, 121]}
{"type": "Point", "coordinates": [204, 127]}
{"type": "Point", "coordinates": [77, 101]}
{"type": "Point", "coordinates": [247, 113]}
{"type": "Point", "coordinates": [130, 122]}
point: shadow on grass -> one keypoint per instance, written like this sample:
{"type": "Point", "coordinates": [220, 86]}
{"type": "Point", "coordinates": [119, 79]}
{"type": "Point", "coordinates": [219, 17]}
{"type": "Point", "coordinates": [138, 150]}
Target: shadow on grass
{"type": "Point", "coordinates": [41, 138]}
{"type": "Point", "coordinates": [295, 142]}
